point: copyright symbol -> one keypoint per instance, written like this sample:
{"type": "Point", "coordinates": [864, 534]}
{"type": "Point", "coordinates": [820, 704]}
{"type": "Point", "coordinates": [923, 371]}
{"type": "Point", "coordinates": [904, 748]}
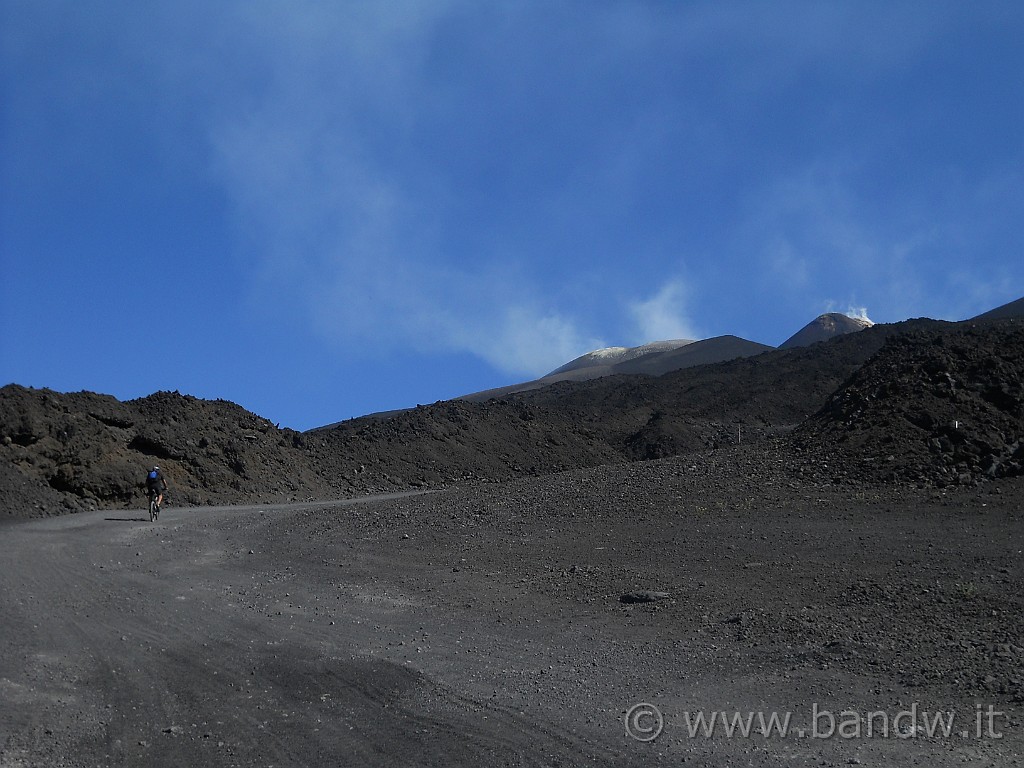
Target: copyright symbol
{"type": "Point", "coordinates": [644, 722]}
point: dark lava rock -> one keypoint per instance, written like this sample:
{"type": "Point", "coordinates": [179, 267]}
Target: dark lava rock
{"type": "Point", "coordinates": [920, 401]}
{"type": "Point", "coordinates": [643, 597]}
{"type": "Point", "coordinates": [937, 407]}
{"type": "Point", "coordinates": [86, 449]}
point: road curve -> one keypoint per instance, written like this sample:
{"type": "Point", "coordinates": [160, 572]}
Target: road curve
{"type": "Point", "coordinates": [178, 643]}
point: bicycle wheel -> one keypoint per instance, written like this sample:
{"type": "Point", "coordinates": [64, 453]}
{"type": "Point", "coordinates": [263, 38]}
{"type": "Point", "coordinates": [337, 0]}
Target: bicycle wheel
{"type": "Point", "coordinates": [153, 509]}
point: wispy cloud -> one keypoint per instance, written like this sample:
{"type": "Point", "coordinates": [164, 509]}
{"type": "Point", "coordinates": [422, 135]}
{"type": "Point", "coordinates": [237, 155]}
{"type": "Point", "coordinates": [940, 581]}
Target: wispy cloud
{"type": "Point", "coordinates": [663, 315]}
{"type": "Point", "coordinates": [323, 162]}
{"type": "Point", "coordinates": [393, 305]}
{"type": "Point", "coordinates": [341, 208]}
{"type": "Point", "coordinates": [814, 236]}
{"type": "Point", "coordinates": [525, 339]}
{"type": "Point", "coordinates": [338, 133]}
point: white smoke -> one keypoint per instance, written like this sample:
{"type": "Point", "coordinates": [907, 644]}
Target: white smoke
{"type": "Point", "coordinates": [663, 315]}
{"type": "Point", "coordinates": [859, 313]}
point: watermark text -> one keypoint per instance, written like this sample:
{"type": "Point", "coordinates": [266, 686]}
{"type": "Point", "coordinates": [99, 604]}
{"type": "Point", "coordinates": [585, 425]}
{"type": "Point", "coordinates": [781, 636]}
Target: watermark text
{"type": "Point", "coordinates": [646, 722]}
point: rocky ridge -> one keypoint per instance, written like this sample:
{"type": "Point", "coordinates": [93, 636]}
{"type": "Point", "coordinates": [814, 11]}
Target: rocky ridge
{"type": "Point", "coordinates": [921, 402]}
{"type": "Point", "coordinates": [933, 407]}
{"type": "Point", "coordinates": [81, 450]}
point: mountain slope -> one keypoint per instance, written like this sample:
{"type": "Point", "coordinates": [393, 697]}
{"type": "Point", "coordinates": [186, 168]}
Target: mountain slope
{"type": "Point", "coordinates": [715, 350]}
{"type": "Point", "coordinates": [609, 419]}
{"type": "Point", "coordinates": [655, 359]}
{"type": "Point", "coordinates": [612, 356]}
{"type": "Point", "coordinates": [939, 406]}
{"type": "Point", "coordinates": [91, 449]}
{"type": "Point", "coordinates": [825, 327]}
{"type": "Point", "coordinates": [1009, 310]}
{"type": "Point", "coordinates": [86, 450]}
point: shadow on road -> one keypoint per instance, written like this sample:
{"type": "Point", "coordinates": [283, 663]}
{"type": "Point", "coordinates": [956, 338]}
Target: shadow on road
{"type": "Point", "coordinates": [126, 519]}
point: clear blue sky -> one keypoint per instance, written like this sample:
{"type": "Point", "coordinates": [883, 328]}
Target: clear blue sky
{"type": "Point", "coordinates": [323, 209]}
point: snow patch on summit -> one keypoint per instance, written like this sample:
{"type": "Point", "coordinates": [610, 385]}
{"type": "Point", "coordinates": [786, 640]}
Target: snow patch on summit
{"type": "Point", "coordinates": [605, 353]}
{"type": "Point", "coordinates": [614, 355]}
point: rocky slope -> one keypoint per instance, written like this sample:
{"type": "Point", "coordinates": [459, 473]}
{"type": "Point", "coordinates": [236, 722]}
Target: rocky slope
{"type": "Point", "coordinates": [936, 407]}
{"type": "Point", "coordinates": [601, 421]}
{"type": "Point", "coordinates": [654, 359]}
{"type": "Point", "coordinates": [825, 327]}
{"type": "Point", "coordinates": [82, 450]}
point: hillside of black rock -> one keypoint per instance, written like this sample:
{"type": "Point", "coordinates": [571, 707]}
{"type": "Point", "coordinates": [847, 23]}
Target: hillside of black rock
{"type": "Point", "coordinates": [82, 450]}
{"type": "Point", "coordinates": [935, 407]}
{"type": "Point", "coordinates": [79, 450]}
{"type": "Point", "coordinates": [600, 421]}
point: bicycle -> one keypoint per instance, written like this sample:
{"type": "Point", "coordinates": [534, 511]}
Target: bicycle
{"type": "Point", "coordinates": [154, 508]}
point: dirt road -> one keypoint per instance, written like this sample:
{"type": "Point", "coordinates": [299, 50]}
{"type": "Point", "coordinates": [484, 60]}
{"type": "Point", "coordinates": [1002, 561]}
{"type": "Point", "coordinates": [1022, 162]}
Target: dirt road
{"type": "Point", "coordinates": [487, 626]}
{"type": "Point", "coordinates": [181, 643]}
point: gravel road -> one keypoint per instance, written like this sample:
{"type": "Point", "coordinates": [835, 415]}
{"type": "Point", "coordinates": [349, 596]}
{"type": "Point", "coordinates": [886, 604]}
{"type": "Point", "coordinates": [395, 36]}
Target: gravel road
{"type": "Point", "coordinates": [519, 624]}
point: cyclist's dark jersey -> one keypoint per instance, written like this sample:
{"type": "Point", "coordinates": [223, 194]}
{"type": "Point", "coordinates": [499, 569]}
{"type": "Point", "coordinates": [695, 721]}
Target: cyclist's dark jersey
{"type": "Point", "coordinates": [155, 485]}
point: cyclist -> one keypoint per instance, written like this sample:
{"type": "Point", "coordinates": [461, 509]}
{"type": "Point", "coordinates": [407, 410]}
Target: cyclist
{"type": "Point", "coordinates": [156, 485]}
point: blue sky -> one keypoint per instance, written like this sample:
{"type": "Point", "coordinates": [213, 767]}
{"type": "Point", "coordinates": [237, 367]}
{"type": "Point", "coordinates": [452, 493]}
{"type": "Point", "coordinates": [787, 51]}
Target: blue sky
{"type": "Point", "coordinates": [324, 209]}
